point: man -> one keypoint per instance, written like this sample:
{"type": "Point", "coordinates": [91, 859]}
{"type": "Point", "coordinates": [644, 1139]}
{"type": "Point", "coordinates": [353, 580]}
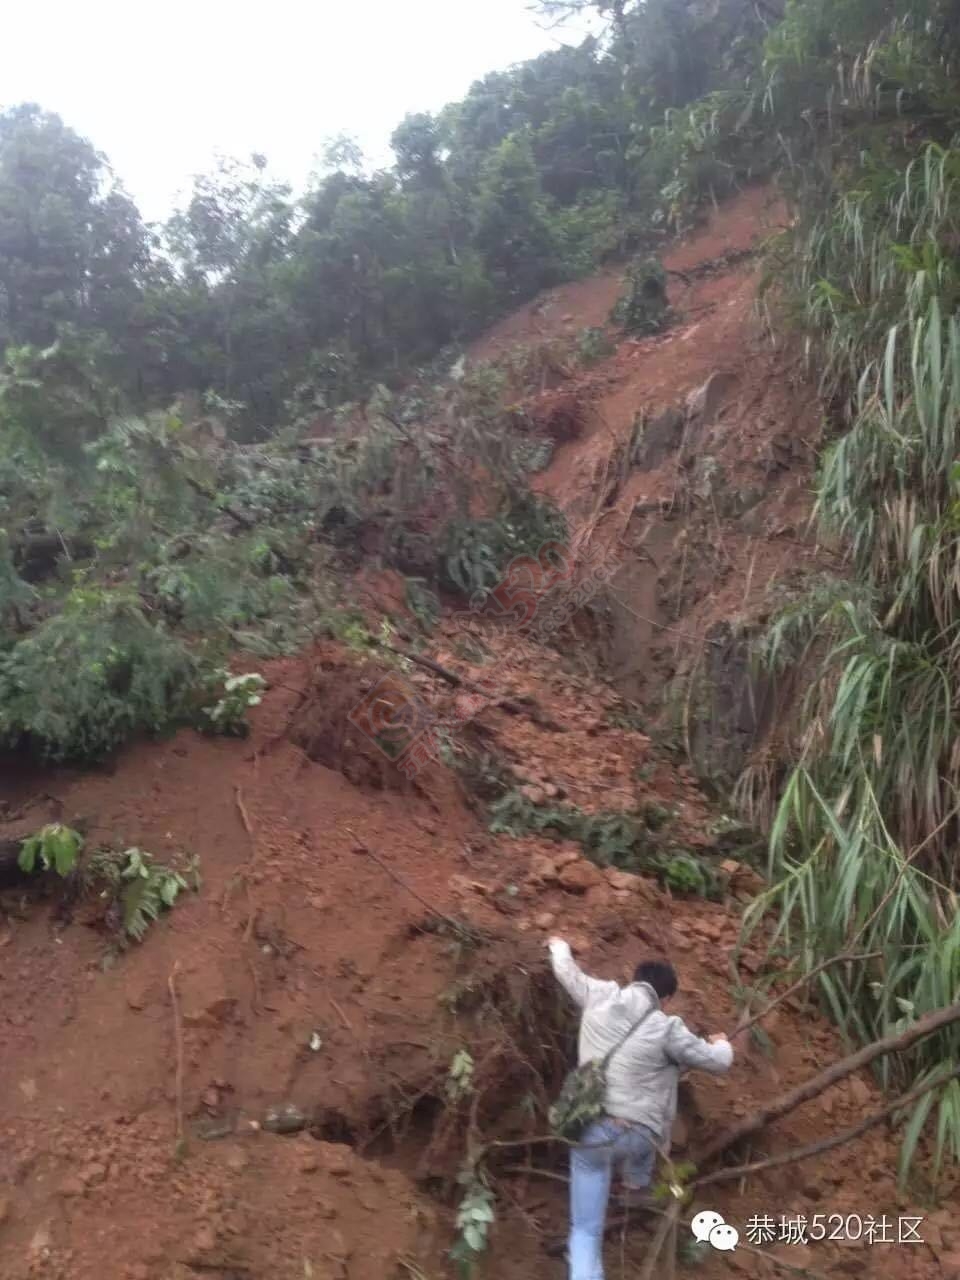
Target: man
{"type": "Point", "coordinates": [641, 1099]}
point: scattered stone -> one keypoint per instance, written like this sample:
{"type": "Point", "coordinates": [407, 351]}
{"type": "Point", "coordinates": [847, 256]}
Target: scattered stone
{"type": "Point", "coordinates": [545, 920]}
{"type": "Point", "coordinates": [463, 885]}
{"type": "Point", "coordinates": [137, 993]}
{"type": "Point", "coordinates": [623, 880]}
{"type": "Point", "coordinates": [93, 1174]}
{"type": "Point", "coordinates": [551, 791]}
{"type": "Point", "coordinates": [543, 868]}
{"type": "Point", "coordinates": [215, 1012]}
{"type": "Point", "coordinates": [334, 1159]}
{"type": "Point", "coordinates": [564, 856]}
{"type": "Point", "coordinates": [536, 795]}
{"type": "Point", "coordinates": [205, 1240]}
{"type": "Point", "coordinates": [579, 876]}
{"type": "Point", "coordinates": [860, 1092]}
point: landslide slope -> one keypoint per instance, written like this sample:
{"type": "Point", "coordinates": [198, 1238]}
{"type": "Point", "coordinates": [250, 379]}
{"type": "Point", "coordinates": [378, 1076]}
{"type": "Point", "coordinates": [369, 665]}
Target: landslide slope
{"type": "Point", "coordinates": [354, 932]}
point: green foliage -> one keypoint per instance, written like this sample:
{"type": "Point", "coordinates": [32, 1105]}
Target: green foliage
{"type": "Point", "coordinates": [460, 1076]}
{"type": "Point", "coordinates": [228, 715]}
{"type": "Point", "coordinates": [92, 676]}
{"type": "Point", "coordinates": [476, 552]}
{"type": "Point", "coordinates": [643, 307]}
{"type": "Point", "coordinates": [593, 345]}
{"type": "Point", "coordinates": [476, 1215]}
{"type": "Point", "coordinates": [422, 603]}
{"type": "Point", "coordinates": [54, 846]}
{"type": "Point", "coordinates": [862, 841]}
{"type": "Point", "coordinates": [615, 839]}
{"type": "Point", "coordinates": [141, 888]}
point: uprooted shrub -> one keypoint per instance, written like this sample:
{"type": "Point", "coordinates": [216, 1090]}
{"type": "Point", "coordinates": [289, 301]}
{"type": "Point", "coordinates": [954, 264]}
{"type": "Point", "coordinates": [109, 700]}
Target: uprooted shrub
{"type": "Point", "coordinates": [475, 553]}
{"type": "Point", "coordinates": [136, 888]}
{"type": "Point", "coordinates": [643, 307]}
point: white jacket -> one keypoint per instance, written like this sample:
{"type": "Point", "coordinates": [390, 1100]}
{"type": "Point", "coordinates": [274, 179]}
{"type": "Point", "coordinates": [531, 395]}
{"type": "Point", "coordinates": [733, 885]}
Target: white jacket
{"type": "Point", "coordinates": [642, 1075]}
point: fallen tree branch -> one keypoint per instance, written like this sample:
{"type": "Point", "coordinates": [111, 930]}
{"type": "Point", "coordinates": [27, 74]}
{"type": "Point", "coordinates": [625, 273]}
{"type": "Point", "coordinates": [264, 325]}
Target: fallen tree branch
{"type": "Point", "coordinates": [458, 682]}
{"type": "Point", "coordinates": [178, 1046]}
{"type": "Point", "coordinates": [827, 1144]}
{"type": "Point", "coordinates": [787, 1102]}
{"type": "Point", "coordinates": [458, 926]}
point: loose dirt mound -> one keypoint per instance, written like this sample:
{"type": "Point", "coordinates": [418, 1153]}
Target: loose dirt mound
{"type": "Point", "coordinates": [350, 940]}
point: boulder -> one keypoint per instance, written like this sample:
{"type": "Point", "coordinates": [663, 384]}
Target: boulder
{"type": "Point", "coordinates": [579, 876]}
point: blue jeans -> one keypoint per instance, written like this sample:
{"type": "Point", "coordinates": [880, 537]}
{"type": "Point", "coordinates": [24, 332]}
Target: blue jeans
{"type": "Point", "coordinates": [604, 1144]}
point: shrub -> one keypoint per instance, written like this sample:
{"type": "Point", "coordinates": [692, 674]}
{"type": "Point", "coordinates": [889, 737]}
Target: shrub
{"type": "Point", "coordinates": [92, 676]}
{"type": "Point", "coordinates": [643, 307]}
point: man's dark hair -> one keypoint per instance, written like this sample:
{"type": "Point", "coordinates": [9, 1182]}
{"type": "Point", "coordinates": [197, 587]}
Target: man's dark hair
{"type": "Point", "coordinates": [660, 974]}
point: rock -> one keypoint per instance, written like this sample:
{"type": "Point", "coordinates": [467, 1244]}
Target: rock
{"type": "Point", "coordinates": [599, 896]}
{"type": "Point", "coordinates": [551, 791]}
{"type": "Point", "coordinates": [730, 867]}
{"type": "Point", "coordinates": [208, 1010]}
{"type": "Point", "coordinates": [336, 1245]}
{"type": "Point", "coordinates": [237, 1160]}
{"type": "Point", "coordinates": [137, 993]}
{"type": "Point", "coordinates": [579, 876]}
{"type": "Point", "coordinates": [93, 1174]}
{"type": "Point", "coordinates": [623, 880]}
{"type": "Point", "coordinates": [42, 1240]}
{"type": "Point", "coordinates": [536, 795]}
{"type": "Point", "coordinates": [860, 1092]}
{"type": "Point", "coordinates": [284, 1119]}
{"type": "Point", "coordinates": [462, 885]}
{"type": "Point", "coordinates": [334, 1159]}
{"type": "Point", "coordinates": [707, 928]}
{"type": "Point", "coordinates": [570, 852]}
{"type": "Point", "coordinates": [543, 869]}
{"type": "Point", "coordinates": [205, 1240]}
{"type": "Point", "coordinates": [545, 920]}
{"type": "Point", "coordinates": [71, 1186]}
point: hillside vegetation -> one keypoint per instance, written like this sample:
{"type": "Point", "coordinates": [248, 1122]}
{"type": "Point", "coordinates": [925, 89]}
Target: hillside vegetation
{"type": "Point", "coordinates": [203, 424]}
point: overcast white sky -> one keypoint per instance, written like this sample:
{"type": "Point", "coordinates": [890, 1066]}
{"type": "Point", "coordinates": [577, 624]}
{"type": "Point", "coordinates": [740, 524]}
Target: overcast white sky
{"type": "Point", "coordinates": [160, 88]}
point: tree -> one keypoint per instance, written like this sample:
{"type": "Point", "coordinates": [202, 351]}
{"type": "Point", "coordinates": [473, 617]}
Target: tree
{"type": "Point", "coordinates": [513, 230]}
{"type": "Point", "coordinates": [72, 245]}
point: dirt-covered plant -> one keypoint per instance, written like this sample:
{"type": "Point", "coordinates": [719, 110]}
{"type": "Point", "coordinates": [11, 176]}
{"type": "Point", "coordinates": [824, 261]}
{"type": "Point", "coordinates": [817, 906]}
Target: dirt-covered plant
{"type": "Point", "coordinates": [643, 307]}
{"type": "Point", "coordinates": [138, 888]}
{"type": "Point", "coordinates": [476, 1214]}
{"type": "Point", "coordinates": [228, 715]}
